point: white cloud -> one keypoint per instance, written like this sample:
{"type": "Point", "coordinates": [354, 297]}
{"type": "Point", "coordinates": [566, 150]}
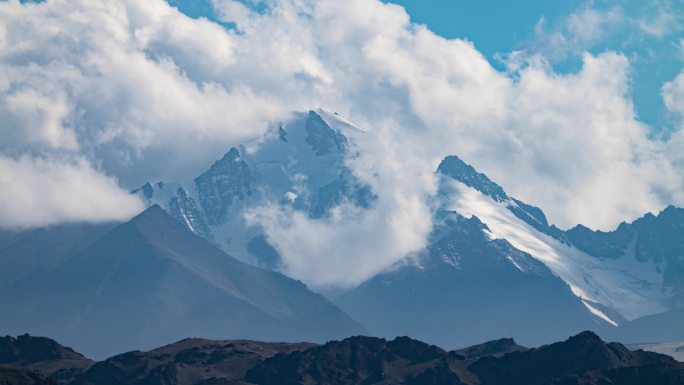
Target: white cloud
{"type": "Point", "coordinates": [45, 191]}
{"type": "Point", "coordinates": [578, 32]}
{"type": "Point", "coordinates": [578, 138]}
{"type": "Point", "coordinates": [673, 95]}
{"type": "Point", "coordinates": [353, 244]}
{"type": "Point", "coordinates": [32, 119]}
{"type": "Point", "coordinates": [148, 93]}
{"type": "Point", "coordinates": [661, 19]}
{"type": "Point", "coordinates": [121, 81]}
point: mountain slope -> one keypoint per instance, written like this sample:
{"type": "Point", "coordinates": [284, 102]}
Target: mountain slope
{"type": "Point", "coordinates": [23, 252]}
{"type": "Point", "coordinates": [150, 281]}
{"type": "Point", "coordinates": [661, 327]}
{"type": "Point", "coordinates": [466, 288]}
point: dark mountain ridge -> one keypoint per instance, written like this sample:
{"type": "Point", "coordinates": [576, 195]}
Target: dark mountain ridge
{"type": "Point", "coordinates": [42, 356]}
{"type": "Point", "coordinates": [583, 359]}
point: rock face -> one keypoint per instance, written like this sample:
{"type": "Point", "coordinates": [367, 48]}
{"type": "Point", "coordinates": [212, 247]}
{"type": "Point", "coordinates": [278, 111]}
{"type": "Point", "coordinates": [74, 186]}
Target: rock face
{"type": "Point", "coordinates": [187, 362]}
{"type": "Point", "coordinates": [583, 359]}
{"type": "Point", "coordinates": [496, 348]}
{"type": "Point", "coordinates": [362, 360]}
{"type": "Point", "coordinates": [150, 281]}
{"type": "Point", "coordinates": [661, 327]}
{"type": "Point", "coordinates": [43, 356]}
{"type": "Point", "coordinates": [300, 166]}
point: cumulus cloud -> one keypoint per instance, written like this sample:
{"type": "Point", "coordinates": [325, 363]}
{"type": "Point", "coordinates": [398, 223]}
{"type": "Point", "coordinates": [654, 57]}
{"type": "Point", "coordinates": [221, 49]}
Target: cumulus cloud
{"type": "Point", "coordinates": [577, 136]}
{"type": "Point", "coordinates": [147, 93]}
{"type": "Point", "coordinates": [45, 191]}
{"type": "Point", "coordinates": [120, 80]}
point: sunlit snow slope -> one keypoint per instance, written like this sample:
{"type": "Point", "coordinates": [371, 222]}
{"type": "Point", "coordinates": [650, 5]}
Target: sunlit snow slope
{"type": "Point", "coordinates": [614, 289]}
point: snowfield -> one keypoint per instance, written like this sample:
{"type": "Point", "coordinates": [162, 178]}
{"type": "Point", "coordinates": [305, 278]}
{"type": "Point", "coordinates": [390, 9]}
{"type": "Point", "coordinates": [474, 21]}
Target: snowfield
{"type": "Point", "coordinates": [629, 287]}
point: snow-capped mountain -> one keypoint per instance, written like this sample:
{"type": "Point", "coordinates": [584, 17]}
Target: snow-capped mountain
{"type": "Point", "coordinates": [467, 287]}
{"type": "Point", "coordinates": [619, 276]}
{"type": "Point", "coordinates": [300, 165]}
{"type": "Point", "coordinates": [492, 257]}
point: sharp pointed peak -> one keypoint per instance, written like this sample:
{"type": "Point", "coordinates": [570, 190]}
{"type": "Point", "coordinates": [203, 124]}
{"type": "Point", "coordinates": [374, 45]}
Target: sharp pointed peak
{"type": "Point", "coordinates": [154, 213]}
{"type": "Point", "coordinates": [586, 336]}
{"type": "Point", "coordinates": [459, 170]}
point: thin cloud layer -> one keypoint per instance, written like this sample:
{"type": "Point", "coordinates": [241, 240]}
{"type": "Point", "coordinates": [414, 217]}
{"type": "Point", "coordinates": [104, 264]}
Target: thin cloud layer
{"type": "Point", "coordinates": [146, 93]}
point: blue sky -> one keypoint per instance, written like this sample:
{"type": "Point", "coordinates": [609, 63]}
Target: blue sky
{"type": "Point", "coordinates": [500, 26]}
{"type": "Point", "coordinates": [493, 25]}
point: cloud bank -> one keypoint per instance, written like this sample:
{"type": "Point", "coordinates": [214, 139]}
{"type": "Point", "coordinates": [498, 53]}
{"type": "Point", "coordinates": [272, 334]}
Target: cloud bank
{"type": "Point", "coordinates": [37, 190]}
{"type": "Point", "coordinates": [97, 97]}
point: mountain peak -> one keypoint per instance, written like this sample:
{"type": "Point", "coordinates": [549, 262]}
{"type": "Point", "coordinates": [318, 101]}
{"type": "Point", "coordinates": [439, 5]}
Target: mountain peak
{"type": "Point", "coordinates": [459, 170]}
{"type": "Point", "coordinates": [495, 348]}
{"type": "Point", "coordinates": [26, 349]}
{"type": "Point", "coordinates": [336, 120]}
{"type": "Point", "coordinates": [585, 337]}
{"type": "Point", "coordinates": [152, 216]}
{"type": "Point", "coordinates": [323, 138]}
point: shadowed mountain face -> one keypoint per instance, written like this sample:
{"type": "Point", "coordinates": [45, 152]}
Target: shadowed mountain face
{"type": "Point", "coordinates": [21, 376]}
{"type": "Point", "coordinates": [661, 327]}
{"type": "Point", "coordinates": [467, 288]}
{"type": "Point", "coordinates": [583, 359]}
{"type": "Point", "coordinates": [24, 252]}
{"type": "Point", "coordinates": [150, 281]}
